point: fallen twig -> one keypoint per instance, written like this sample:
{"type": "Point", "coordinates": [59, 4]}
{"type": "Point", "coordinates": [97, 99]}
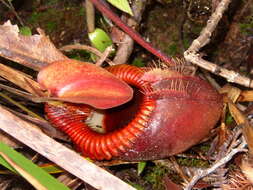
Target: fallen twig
{"type": "Point", "coordinates": [231, 76]}
{"type": "Point", "coordinates": [87, 48]}
{"type": "Point", "coordinates": [104, 56]}
{"type": "Point", "coordinates": [206, 32]}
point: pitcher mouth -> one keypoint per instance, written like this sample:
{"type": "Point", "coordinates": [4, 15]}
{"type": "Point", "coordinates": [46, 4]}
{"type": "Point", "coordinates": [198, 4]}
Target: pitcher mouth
{"type": "Point", "coordinates": [105, 121]}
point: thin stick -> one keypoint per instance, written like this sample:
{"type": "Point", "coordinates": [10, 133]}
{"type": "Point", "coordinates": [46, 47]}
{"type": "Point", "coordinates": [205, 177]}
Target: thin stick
{"type": "Point", "coordinates": [230, 75]}
{"type": "Point", "coordinates": [104, 56]}
{"type": "Point", "coordinates": [206, 33]}
{"type": "Point", "coordinates": [87, 48]}
{"type": "Point", "coordinates": [57, 153]}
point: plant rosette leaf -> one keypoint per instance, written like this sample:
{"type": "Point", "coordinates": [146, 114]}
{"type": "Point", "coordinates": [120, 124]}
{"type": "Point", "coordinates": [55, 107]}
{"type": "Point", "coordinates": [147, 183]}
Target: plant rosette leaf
{"type": "Point", "coordinates": [100, 39]}
{"type": "Point", "coordinates": [123, 5]}
{"type": "Point", "coordinates": [39, 178]}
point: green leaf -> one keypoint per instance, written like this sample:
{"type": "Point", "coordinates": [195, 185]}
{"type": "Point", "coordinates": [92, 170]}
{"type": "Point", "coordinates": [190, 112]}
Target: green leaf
{"type": "Point", "coordinates": [122, 5]}
{"type": "Point", "coordinates": [4, 163]}
{"type": "Point", "coordinates": [28, 166]}
{"type": "Point", "coordinates": [141, 166]}
{"type": "Point", "coordinates": [100, 39]}
{"type": "Point", "coordinates": [25, 30]}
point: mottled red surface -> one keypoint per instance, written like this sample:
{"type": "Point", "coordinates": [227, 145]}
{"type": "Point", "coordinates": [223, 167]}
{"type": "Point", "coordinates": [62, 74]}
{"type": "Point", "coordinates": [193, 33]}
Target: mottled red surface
{"type": "Point", "coordinates": [81, 82]}
{"type": "Point", "coordinates": [175, 125]}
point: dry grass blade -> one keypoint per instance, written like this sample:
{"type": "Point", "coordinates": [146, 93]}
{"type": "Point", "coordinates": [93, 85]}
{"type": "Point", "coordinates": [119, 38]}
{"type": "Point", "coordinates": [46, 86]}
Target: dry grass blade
{"type": "Point", "coordinates": [37, 99]}
{"type": "Point", "coordinates": [25, 94]}
{"type": "Point", "coordinates": [20, 79]}
{"type": "Point", "coordinates": [33, 51]}
{"type": "Point", "coordinates": [5, 184]}
{"type": "Point", "coordinates": [9, 5]}
{"type": "Point", "coordinates": [65, 158]}
{"type": "Point", "coordinates": [22, 107]}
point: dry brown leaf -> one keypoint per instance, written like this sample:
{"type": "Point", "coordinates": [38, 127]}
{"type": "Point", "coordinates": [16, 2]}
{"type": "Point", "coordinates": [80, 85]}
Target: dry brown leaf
{"type": "Point", "coordinates": [241, 119]}
{"type": "Point", "coordinates": [233, 93]}
{"type": "Point", "coordinates": [248, 134]}
{"type": "Point", "coordinates": [237, 114]}
{"type": "Point", "coordinates": [20, 79]}
{"type": "Point", "coordinates": [246, 96]}
{"type": "Point", "coordinates": [247, 170]}
{"type": "Point", "coordinates": [33, 51]}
